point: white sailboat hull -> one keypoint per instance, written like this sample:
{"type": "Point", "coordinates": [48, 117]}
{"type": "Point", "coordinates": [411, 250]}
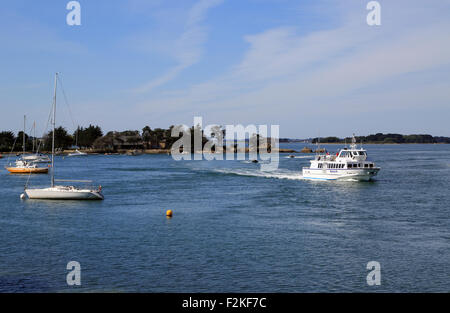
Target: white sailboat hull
{"type": "Point", "coordinates": [77, 153]}
{"type": "Point", "coordinates": [36, 158]}
{"type": "Point", "coordinates": [64, 193]}
{"type": "Point", "coordinates": [360, 174]}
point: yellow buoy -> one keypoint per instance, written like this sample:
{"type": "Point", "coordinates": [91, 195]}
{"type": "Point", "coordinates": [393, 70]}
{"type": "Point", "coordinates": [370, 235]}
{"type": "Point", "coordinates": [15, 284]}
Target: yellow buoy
{"type": "Point", "coordinates": [169, 213]}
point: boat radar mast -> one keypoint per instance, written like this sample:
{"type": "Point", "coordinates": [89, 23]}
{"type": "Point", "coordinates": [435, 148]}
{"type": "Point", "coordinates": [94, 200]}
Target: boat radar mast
{"type": "Point", "coordinates": [353, 145]}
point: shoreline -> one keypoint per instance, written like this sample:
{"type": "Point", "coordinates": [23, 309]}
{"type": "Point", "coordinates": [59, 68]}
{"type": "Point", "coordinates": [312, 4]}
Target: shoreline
{"type": "Point", "coordinates": [168, 151]}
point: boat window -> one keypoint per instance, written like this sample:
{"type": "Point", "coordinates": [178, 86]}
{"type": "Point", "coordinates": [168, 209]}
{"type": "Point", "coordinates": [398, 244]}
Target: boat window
{"type": "Point", "coordinates": [371, 165]}
{"type": "Point", "coordinates": [366, 165]}
{"type": "Point", "coordinates": [349, 165]}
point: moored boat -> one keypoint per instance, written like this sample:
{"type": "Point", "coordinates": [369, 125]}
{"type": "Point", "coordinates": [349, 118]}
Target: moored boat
{"type": "Point", "coordinates": [24, 167]}
{"type": "Point", "coordinates": [55, 192]}
{"type": "Point", "coordinates": [65, 193]}
{"type": "Point", "coordinates": [36, 158]}
{"type": "Point", "coordinates": [27, 164]}
{"type": "Point", "coordinates": [77, 153]}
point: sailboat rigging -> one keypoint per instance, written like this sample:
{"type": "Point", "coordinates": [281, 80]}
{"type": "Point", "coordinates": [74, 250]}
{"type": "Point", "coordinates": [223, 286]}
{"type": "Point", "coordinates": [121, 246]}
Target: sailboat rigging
{"type": "Point", "coordinates": [56, 192]}
{"type": "Point", "coordinates": [27, 164]}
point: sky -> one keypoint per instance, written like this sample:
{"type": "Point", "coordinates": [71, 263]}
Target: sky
{"type": "Point", "coordinates": [314, 67]}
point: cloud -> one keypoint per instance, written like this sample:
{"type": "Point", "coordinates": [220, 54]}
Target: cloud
{"type": "Point", "coordinates": [187, 49]}
{"type": "Point", "coordinates": [285, 71]}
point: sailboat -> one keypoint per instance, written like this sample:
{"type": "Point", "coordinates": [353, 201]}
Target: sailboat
{"type": "Point", "coordinates": [77, 152]}
{"type": "Point", "coordinates": [55, 192]}
{"type": "Point", "coordinates": [23, 165]}
{"type": "Point", "coordinates": [35, 157]}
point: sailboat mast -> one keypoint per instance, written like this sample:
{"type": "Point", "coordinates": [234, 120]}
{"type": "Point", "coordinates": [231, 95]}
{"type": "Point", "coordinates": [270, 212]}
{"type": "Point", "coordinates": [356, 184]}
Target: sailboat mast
{"type": "Point", "coordinates": [34, 135]}
{"type": "Point", "coordinates": [53, 137]}
{"type": "Point", "coordinates": [23, 135]}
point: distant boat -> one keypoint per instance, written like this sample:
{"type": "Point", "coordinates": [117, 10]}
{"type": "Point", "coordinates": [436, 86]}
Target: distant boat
{"type": "Point", "coordinates": [24, 167]}
{"type": "Point", "coordinates": [27, 164]}
{"type": "Point", "coordinates": [134, 153]}
{"type": "Point", "coordinates": [36, 158]}
{"type": "Point", "coordinates": [62, 192]}
{"type": "Point", "coordinates": [77, 153]}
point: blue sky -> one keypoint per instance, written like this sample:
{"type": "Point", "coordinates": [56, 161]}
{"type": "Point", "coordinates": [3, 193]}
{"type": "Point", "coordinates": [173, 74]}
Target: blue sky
{"type": "Point", "coordinates": [313, 67]}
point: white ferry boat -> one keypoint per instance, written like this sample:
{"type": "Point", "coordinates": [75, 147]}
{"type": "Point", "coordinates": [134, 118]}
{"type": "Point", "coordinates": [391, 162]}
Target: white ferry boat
{"type": "Point", "coordinates": [349, 164]}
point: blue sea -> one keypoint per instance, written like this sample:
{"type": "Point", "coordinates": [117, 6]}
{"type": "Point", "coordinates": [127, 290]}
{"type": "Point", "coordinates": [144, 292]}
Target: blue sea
{"type": "Point", "coordinates": [234, 228]}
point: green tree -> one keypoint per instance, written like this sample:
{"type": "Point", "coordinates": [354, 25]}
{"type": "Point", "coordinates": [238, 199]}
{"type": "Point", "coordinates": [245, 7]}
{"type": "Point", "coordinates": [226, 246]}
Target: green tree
{"type": "Point", "coordinates": [6, 141]}
{"type": "Point", "coordinates": [85, 137]}
{"type": "Point", "coordinates": [62, 139]}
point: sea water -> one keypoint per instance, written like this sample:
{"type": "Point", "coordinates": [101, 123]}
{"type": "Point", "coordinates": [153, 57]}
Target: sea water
{"type": "Point", "coordinates": [234, 228]}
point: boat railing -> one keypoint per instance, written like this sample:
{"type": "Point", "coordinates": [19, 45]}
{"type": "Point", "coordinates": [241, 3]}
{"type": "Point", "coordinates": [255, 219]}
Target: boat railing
{"type": "Point", "coordinates": [87, 184]}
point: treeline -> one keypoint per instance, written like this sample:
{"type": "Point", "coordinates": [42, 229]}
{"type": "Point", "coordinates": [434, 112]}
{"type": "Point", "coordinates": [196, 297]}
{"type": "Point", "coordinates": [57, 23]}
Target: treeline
{"type": "Point", "coordinates": [386, 138]}
{"type": "Point", "coordinates": [82, 138]}
{"type": "Point", "coordinates": [158, 138]}
{"type": "Point", "coordinates": [92, 138]}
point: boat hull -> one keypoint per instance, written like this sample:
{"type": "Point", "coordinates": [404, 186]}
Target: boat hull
{"type": "Point", "coordinates": [60, 194]}
{"type": "Point", "coordinates": [360, 174]}
{"type": "Point", "coordinates": [18, 170]}
{"type": "Point", "coordinates": [37, 158]}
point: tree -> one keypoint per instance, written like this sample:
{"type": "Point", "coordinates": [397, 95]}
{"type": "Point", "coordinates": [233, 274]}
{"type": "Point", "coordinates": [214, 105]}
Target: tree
{"type": "Point", "coordinates": [62, 139]}
{"type": "Point", "coordinates": [19, 142]}
{"type": "Point", "coordinates": [6, 141]}
{"type": "Point", "coordinates": [85, 137]}
{"type": "Point", "coordinates": [146, 134]}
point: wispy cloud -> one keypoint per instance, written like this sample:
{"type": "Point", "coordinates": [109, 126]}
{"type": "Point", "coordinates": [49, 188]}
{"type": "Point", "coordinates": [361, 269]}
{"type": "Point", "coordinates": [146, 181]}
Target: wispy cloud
{"type": "Point", "coordinates": [286, 72]}
{"type": "Point", "coordinates": [188, 47]}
